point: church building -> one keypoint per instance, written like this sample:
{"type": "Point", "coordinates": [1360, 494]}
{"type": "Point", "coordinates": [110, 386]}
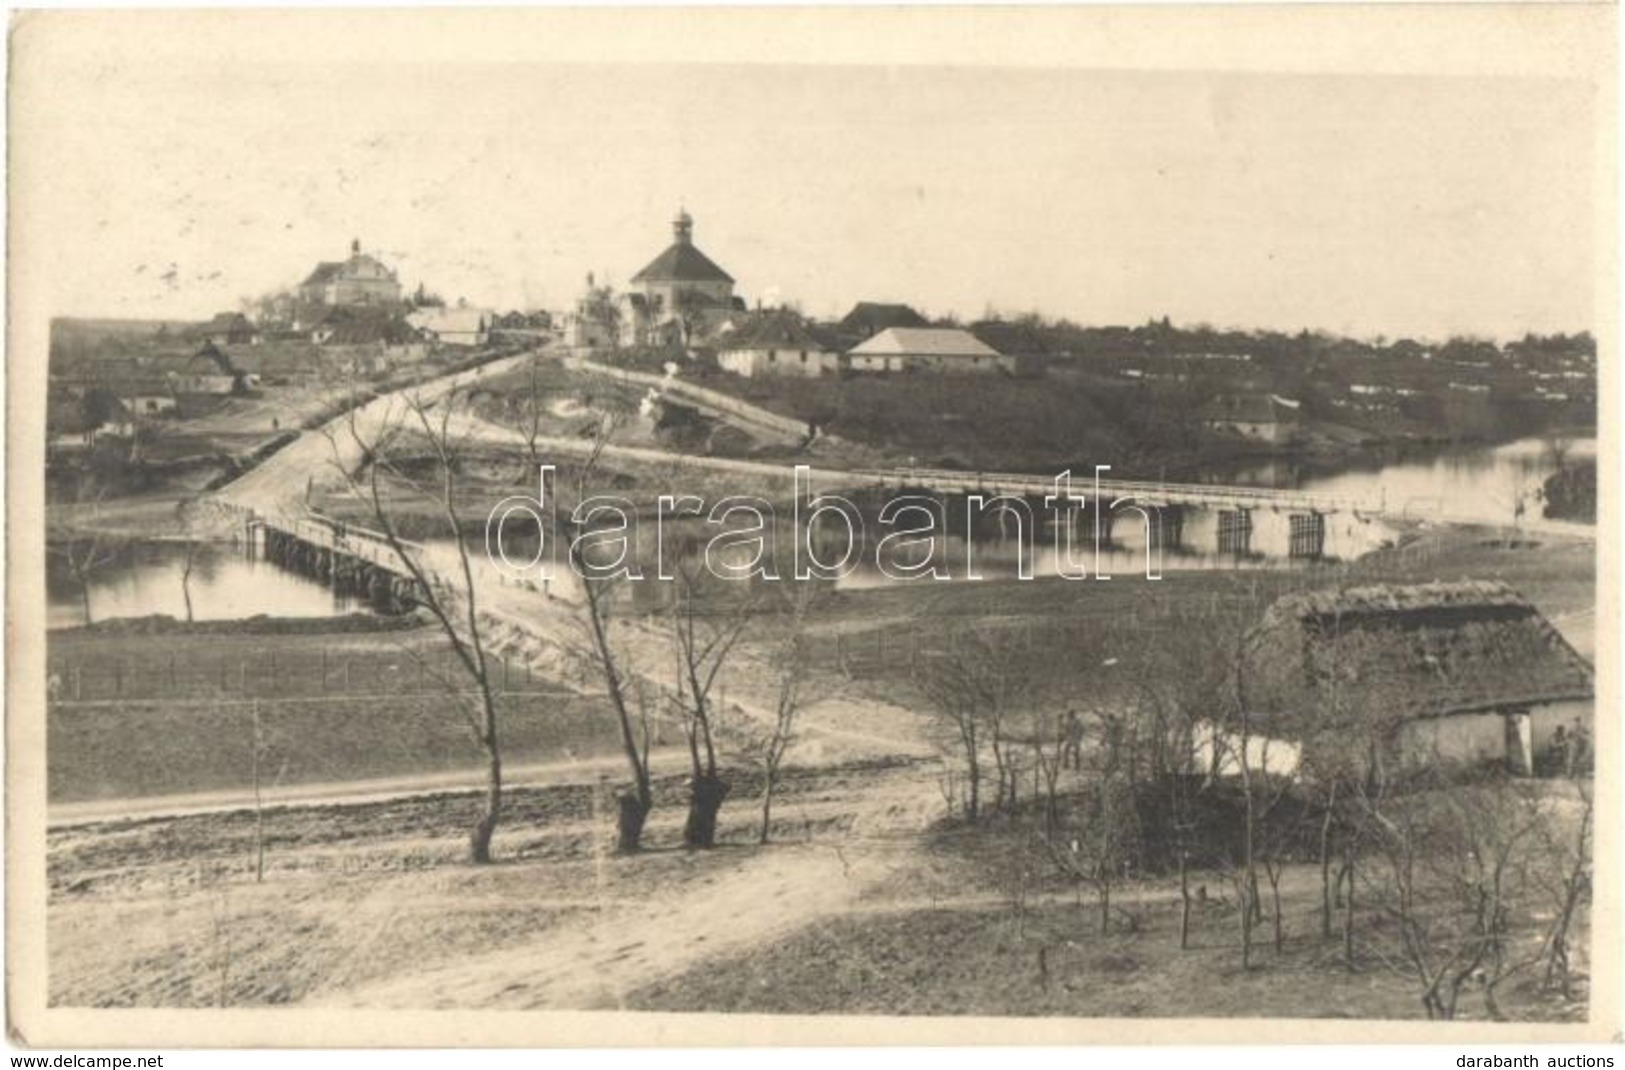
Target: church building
{"type": "Point", "coordinates": [681, 296]}
{"type": "Point", "coordinates": [360, 280]}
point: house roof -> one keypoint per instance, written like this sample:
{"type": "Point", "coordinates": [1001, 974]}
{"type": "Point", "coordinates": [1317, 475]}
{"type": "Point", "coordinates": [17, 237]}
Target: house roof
{"type": "Point", "coordinates": [1011, 338]}
{"type": "Point", "coordinates": [924, 342]}
{"type": "Point", "coordinates": [682, 262]}
{"type": "Point", "coordinates": [325, 270]}
{"type": "Point", "coordinates": [349, 326]}
{"type": "Point", "coordinates": [871, 316]}
{"type": "Point", "coordinates": [1250, 409]}
{"type": "Point", "coordinates": [773, 330]}
{"type": "Point", "coordinates": [1433, 649]}
{"type": "Point", "coordinates": [225, 321]}
{"type": "Point", "coordinates": [328, 270]}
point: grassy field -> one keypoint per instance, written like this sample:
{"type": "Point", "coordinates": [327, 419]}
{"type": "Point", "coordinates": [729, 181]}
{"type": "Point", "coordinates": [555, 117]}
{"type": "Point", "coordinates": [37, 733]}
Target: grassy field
{"type": "Point", "coordinates": [144, 715]}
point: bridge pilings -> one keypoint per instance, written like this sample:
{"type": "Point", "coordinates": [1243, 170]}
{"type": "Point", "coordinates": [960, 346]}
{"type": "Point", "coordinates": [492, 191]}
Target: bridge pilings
{"type": "Point", "coordinates": [348, 575]}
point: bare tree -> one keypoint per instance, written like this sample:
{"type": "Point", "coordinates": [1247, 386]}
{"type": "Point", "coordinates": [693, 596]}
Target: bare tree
{"type": "Point", "coordinates": [84, 548]}
{"type": "Point", "coordinates": [1447, 869]}
{"type": "Point", "coordinates": [1563, 874]}
{"type": "Point", "coordinates": [454, 606]}
{"type": "Point", "coordinates": [598, 597]}
{"type": "Point", "coordinates": [703, 637]}
{"type": "Point", "coordinates": [792, 662]}
{"type": "Point", "coordinates": [689, 306]}
{"type": "Point", "coordinates": [974, 687]}
{"type": "Point", "coordinates": [1097, 846]}
{"type": "Point", "coordinates": [600, 307]}
{"type": "Point", "coordinates": [186, 576]}
{"type": "Point", "coordinates": [529, 413]}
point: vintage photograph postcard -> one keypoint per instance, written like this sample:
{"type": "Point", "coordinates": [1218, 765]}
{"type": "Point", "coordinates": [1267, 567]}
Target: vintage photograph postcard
{"type": "Point", "coordinates": [823, 526]}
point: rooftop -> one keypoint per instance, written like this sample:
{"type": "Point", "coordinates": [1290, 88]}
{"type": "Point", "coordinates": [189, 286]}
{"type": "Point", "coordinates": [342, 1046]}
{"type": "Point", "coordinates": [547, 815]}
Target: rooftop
{"type": "Point", "coordinates": [924, 342]}
{"type": "Point", "coordinates": [1434, 648]}
{"type": "Point", "coordinates": [871, 316]}
{"type": "Point", "coordinates": [682, 262]}
{"type": "Point", "coordinates": [774, 330]}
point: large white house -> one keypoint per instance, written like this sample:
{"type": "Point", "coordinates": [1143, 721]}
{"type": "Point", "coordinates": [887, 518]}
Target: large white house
{"type": "Point", "coordinates": [937, 349]}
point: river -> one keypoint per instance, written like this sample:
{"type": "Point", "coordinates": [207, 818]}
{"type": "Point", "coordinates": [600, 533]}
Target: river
{"type": "Point", "coordinates": [1482, 483]}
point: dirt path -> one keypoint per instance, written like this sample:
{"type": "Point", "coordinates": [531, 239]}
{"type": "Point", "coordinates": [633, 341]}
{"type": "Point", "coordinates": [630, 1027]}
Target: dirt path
{"type": "Point", "coordinates": [630, 942]}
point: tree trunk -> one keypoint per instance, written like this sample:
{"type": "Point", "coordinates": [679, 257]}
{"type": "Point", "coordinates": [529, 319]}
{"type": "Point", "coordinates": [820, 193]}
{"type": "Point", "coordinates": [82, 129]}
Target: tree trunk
{"type": "Point", "coordinates": [1245, 909]}
{"type": "Point", "coordinates": [186, 579]}
{"type": "Point", "coordinates": [1184, 904]}
{"type": "Point", "coordinates": [479, 840]}
{"type": "Point", "coordinates": [704, 802]}
{"type": "Point", "coordinates": [1275, 906]}
{"type": "Point", "coordinates": [1348, 914]}
{"type": "Point", "coordinates": [973, 801]}
{"type": "Point", "coordinates": [767, 807]}
{"type": "Point", "coordinates": [1326, 875]}
{"type": "Point", "coordinates": [634, 811]}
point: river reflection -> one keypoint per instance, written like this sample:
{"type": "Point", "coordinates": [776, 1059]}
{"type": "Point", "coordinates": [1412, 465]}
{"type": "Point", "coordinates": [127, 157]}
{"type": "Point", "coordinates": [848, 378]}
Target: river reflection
{"type": "Point", "coordinates": [226, 584]}
{"type": "Point", "coordinates": [1482, 484]}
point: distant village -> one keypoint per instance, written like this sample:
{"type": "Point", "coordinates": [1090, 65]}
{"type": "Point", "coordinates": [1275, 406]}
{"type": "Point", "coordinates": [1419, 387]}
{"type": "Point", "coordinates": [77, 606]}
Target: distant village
{"type": "Point", "coordinates": [352, 319]}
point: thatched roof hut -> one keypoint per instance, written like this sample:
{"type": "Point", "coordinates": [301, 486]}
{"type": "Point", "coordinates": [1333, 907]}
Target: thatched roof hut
{"type": "Point", "coordinates": [1432, 650]}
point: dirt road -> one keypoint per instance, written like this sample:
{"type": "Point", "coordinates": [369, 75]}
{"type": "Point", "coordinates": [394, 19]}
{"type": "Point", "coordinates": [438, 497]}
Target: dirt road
{"type": "Point", "coordinates": [632, 936]}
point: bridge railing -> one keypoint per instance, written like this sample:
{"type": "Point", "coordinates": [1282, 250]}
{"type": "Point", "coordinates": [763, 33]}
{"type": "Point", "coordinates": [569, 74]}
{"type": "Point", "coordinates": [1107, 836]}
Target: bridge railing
{"type": "Point", "coordinates": [1146, 491]}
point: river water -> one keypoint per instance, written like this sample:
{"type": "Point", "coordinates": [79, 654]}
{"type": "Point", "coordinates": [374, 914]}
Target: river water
{"type": "Point", "coordinates": [1484, 484]}
{"type": "Point", "coordinates": [225, 584]}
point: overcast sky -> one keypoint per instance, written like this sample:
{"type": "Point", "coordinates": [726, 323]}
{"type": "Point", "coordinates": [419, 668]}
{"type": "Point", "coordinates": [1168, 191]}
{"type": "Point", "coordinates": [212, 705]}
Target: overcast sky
{"type": "Point", "coordinates": [1369, 205]}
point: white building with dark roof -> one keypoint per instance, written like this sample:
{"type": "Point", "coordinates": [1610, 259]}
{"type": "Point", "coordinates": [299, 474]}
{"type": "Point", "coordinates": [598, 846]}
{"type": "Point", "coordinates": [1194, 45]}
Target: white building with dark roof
{"type": "Point", "coordinates": [680, 295]}
{"type": "Point", "coordinates": [777, 343]}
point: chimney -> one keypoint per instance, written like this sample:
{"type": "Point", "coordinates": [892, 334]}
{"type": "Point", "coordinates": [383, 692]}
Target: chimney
{"type": "Point", "coordinates": [355, 246]}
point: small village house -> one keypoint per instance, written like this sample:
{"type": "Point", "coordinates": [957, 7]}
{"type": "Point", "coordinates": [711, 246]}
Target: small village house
{"type": "Point", "coordinates": [777, 343]}
{"type": "Point", "coordinates": [933, 349]}
{"type": "Point", "coordinates": [1264, 418]}
{"type": "Point", "coordinates": [869, 318]}
{"type": "Point", "coordinates": [208, 371]}
{"type": "Point", "coordinates": [1456, 674]}
{"type": "Point", "coordinates": [228, 329]}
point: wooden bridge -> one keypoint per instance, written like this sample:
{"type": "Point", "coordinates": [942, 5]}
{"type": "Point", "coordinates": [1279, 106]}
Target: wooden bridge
{"type": "Point", "coordinates": [353, 560]}
{"type": "Point", "coordinates": [1142, 492]}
